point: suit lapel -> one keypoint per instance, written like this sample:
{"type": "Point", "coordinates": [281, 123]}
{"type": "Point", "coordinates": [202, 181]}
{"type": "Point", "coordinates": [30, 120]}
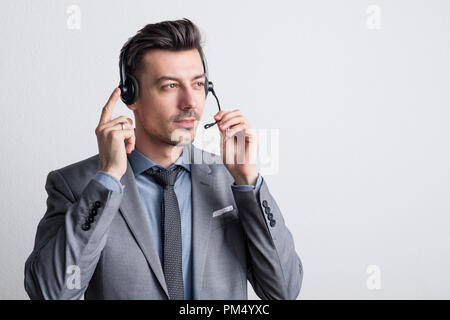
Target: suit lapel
{"type": "Point", "coordinates": [137, 219]}
{"type": "Point", "coordinates": [202, 189]}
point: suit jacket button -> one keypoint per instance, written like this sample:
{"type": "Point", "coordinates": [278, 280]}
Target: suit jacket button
{"type": "Point", "coordinates": [85, 226]}
{"type": "Point", "coordinates": [264, 203]}
{"type": "Point", "coordinates": [98, 204]}
{"type": "Point", "coordinates": [272, 223]}
{"type": "Point", "coordinates": [93, 211]}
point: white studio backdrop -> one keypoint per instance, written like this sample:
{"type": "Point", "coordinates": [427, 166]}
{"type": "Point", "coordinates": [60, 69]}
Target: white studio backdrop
{"type": "Point", "coordinates": [354, 96]}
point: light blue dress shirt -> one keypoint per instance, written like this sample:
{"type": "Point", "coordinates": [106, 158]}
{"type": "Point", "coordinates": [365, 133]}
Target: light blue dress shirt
{"type": "Point", "coordinates": [151, 194]}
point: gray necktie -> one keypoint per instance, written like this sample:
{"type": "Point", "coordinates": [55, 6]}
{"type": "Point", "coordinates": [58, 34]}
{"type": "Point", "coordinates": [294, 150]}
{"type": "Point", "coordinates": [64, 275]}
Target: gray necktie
{"type": "Point", "coordinates": [171, 232]}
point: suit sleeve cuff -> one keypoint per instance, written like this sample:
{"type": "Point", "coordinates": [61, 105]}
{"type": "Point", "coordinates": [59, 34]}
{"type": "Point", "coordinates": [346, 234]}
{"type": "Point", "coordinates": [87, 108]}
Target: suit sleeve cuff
{"type": "Point", "coordinates": [109, 182]}
{"type": "Point", "coordinates": [245, 187]}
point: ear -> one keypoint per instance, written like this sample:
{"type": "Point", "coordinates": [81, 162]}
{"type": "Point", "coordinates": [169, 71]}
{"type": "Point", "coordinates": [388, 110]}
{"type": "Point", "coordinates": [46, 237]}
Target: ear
{"type": "Point", "coordinates": [132, 107]}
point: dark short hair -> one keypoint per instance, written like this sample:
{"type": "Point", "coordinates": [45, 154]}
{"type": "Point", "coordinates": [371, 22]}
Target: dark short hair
{"type": "Point", "coordinates": [173, 35]}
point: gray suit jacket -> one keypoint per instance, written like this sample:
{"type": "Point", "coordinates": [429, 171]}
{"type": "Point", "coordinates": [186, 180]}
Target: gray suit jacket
{"type": "Point", "coordinates": [116, 257]}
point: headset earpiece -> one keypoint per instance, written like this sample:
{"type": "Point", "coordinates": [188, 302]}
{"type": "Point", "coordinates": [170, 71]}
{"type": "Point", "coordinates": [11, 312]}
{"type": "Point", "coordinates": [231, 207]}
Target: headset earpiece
{"type": "Point", "coordinates": [129, 90]}
{"type": "Point", "coordinates": [208, 87]}
{"type": "Point", "coordinates": [208, 84]}
{"type": "Point", "coordinates": [129, 86]}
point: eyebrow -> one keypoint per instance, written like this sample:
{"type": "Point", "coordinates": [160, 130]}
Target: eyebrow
{"type": "Point", "coordinates": [177, 79]}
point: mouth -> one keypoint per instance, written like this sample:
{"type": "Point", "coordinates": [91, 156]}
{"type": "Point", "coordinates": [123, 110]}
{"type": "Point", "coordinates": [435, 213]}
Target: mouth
{"type": "Point", "coordinates": [185, 123]}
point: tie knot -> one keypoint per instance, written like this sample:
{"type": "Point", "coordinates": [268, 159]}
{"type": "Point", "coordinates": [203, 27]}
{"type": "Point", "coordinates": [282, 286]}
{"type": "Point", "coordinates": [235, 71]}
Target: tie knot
{"type": "Point", "coordinates": [165, 177]}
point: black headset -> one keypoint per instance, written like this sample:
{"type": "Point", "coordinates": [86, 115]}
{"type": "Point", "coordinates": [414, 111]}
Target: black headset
{"type": "Point", "coordinates": [129, 86]}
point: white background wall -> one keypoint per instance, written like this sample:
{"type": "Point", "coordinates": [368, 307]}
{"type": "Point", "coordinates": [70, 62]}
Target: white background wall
{"type": "Point", "coordinates": [362, 115]}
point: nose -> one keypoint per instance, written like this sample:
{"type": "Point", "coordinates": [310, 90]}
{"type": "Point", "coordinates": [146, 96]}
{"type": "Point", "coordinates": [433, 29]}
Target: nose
{"type": "Point", "coordinates": [189, 99]}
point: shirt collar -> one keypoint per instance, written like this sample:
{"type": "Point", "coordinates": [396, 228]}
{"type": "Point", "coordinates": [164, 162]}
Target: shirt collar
{"type": "Point", "coordinates": [140, 162]}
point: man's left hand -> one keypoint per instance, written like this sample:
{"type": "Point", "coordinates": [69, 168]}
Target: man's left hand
{"type": "Point", "coordinates": [239, 146]}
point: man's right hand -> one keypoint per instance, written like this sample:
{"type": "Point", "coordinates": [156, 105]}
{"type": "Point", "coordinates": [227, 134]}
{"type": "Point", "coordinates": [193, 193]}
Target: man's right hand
{"type": "Point", "coordinates": [111, 137]}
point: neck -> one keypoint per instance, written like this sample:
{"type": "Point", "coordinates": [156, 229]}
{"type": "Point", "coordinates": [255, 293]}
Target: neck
{"type": "Point", "coordinates": [162, 153]}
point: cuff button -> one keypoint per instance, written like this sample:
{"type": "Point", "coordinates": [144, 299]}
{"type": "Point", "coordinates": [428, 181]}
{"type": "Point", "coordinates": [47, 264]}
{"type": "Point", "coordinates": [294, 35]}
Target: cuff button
{"type": "Point", "coordinates": [272, 223]}
{"type": "Point", "coordinates": [85, 226]}
{"type": "Point", "coordinates": [94, 211]}
{"type": "Point", "coordinates": [98, 204]}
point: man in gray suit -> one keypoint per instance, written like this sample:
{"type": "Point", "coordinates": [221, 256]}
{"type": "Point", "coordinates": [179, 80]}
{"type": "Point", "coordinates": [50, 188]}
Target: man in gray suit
{"type": "Point", "coordinates": [156, 217]}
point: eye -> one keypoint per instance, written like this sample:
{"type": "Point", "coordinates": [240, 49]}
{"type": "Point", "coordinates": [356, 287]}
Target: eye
{"type": "Point", "coordinates": [170, 85]}
{"type": "Point", "coordinates": [200, 83]}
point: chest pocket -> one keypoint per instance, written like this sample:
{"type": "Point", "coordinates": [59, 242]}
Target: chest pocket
{"type": "Point", "coordinates": [222, 219]}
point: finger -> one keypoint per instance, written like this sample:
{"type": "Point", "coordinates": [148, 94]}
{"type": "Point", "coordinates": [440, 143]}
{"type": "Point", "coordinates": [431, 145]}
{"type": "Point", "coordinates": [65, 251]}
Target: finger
{"type": "Point", "coordinates": [118, 120]}
{"type": "Point", "coordinates": [219, 115]}
{"type": "Point", "coordinates": [109, 106]}
{"type": "Point", "coordinates": [228, 147]}
{"type": "Point", "coordinates": [118, 126]}
{"type": "Point", "coordinates": [236, 128]}
{"type": "Point", "coordinates": [251, 135]}
{"type": "Point", "coordinates": [252, 145]}
{"type": "Point", "coordinates": [123, 134]}
{"type": "Point", "coordinates": [230, 122]}
{"type": "Point", "coordinates": [113, 124]}
{"type": "Point", "coordinates": [131, 143]}
{"type": "Point", "coordinates": [130, 136]}
{"type": "Point", "coordinates": [230, 114]}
